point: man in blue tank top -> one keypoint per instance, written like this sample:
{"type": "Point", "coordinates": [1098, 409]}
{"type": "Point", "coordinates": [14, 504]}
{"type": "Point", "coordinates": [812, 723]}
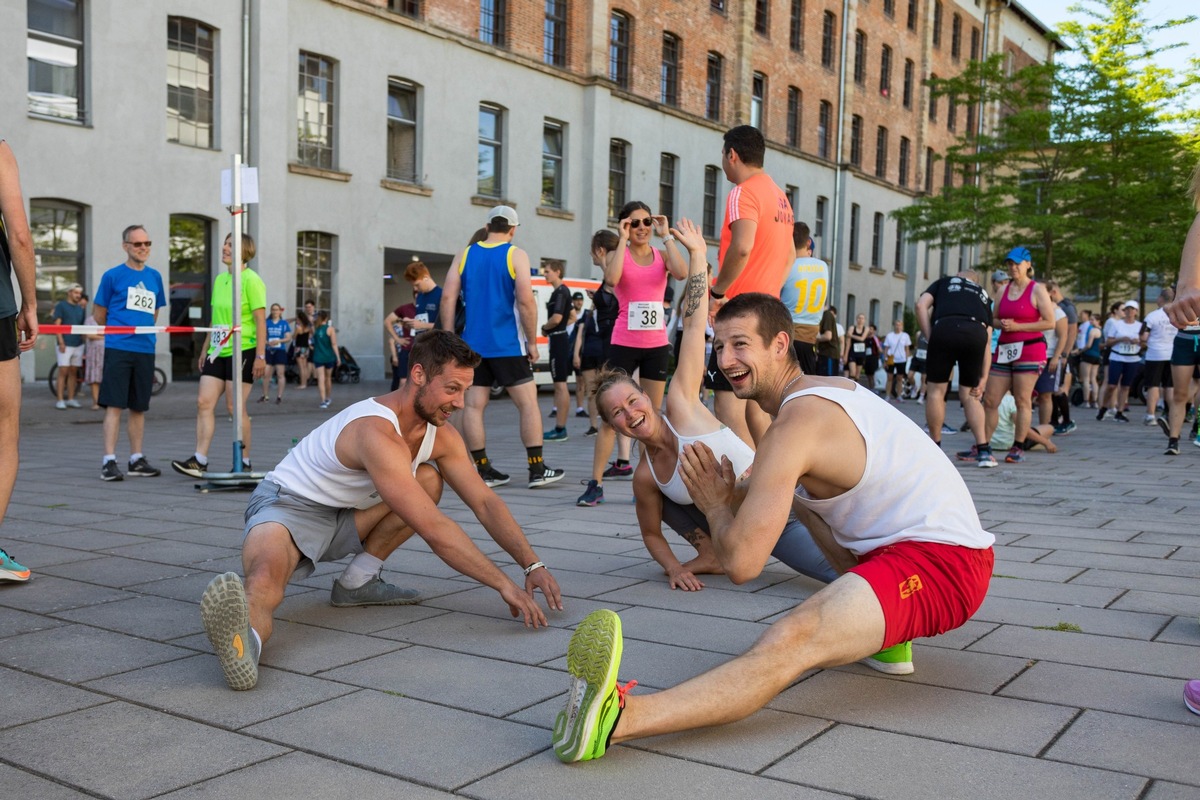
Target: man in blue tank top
{"type": "Point", "coordinates": [494, 280]}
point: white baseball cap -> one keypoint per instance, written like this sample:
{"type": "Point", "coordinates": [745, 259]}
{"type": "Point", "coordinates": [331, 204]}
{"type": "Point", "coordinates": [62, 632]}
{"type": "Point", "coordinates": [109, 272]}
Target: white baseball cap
{"type": "Point", "coordinates": [507, 213]}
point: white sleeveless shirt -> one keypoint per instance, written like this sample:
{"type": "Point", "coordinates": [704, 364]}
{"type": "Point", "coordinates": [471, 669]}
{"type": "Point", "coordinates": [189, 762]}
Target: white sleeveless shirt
{"type": "Point", "coordinates": [311, 469]}
{"type": "Point", "coordinates": [909, 491]}
{"type": "Point", "coordinates": [723, 442]}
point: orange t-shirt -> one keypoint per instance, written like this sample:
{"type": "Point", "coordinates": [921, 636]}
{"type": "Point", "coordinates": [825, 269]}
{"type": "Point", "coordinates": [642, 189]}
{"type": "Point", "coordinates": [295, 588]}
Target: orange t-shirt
{"type": "Point", "coordinates": [772, 254]}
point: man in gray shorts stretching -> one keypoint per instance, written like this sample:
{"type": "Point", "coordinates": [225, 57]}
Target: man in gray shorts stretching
{"type": "Point", "coordinates": [362, 483]}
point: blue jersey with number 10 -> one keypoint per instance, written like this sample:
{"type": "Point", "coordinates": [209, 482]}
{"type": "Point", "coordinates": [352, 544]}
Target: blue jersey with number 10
{"type": "Point", "coordinates": [806, 290]}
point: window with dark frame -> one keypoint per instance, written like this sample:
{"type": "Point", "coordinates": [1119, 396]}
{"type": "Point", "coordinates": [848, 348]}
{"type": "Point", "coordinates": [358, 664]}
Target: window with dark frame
{"type": "Point", "coordinates": [314, 269]}
{"type": "Point", "coordinates": [824, 128]}
{"type": "Point", "coordinates": [860, 57]}
{"type": "Point", "coordinates": [828, 24]}
{"type": "Point", "coordinates": [762, 17]}
{"type": "Point", "coordinates": [889, 8]}
{"type": "Point", "coordinates": [885, 71]}
{"type": "Point", "coordinates": [315, 112]}
{"type": "Point", "coordinates": [493, 22]}
{"type": "Point", "coordinates": [818, 228]}
{"type": "Point", "coordinates": [712, 87]}
{"type": "Point", "coordinates": [618, 49]}
{"type": "Point", "coordinates": [899, 265]}
{"type": "Point", "coordinates": [974, 44]}
{"type": "Point", "coordinates": [552, 164]}
{"type": "Point", "coordinates": [930, 159]}
{"type": "Point", "coordinates": [758, 101]}
{"type": "Point", "coordinates": [618, 155]}
{"type": "Point", "coordinates": [793, 116]}
{"type": "Point", "coordinates": [948, 174]}
{"type": "Point", "coordinates": [490, 160]}
{"type": "Point", "coordinates": [409, 8]}
{"type": "Point", "coordinates": [709, 219]}
{"type": "Point", "coordinates": [856, 133]}
{"type": "Point", "coordinates": [667, 164]}
{"type": "Point", "coordinates": [909, 68]}
{"type": "Point", "coordinates": [911, 22]}
{"type": "Point", "coordinates": [956, 37]}
{"type": "Point", "coordinates": [796, 27]}
{"type": "Point", "coordinates": [554, 33]}
{"type": "Point", "coordinates": [57, 228]}
{"type": "Point", "coordinates": [854, 215]}
{"type": "Point", "coordinates": [877, 240]}
{"type": "Point", "coordinates": [669, 79]}
{"type": "Point", "coordinates": [952, 114]}
{"type": "Point", "coordinates": [905, 156]}
{"type": "Point", "coordinates": [402, 131]}
{"type": "Point", "coordinates": [933, 101]}
{"type": "Point", "coordinates": [190, 87]}
{"type": "Point", "coordinates": [881, 152]}
{"type": "Point", "coordinates": [55, 55]}
{"type": "Point", "coordinates": [937, 23]}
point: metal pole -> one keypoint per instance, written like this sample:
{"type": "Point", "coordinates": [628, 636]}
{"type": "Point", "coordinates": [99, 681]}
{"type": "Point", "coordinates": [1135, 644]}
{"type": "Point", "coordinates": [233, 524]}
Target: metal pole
{"type": "Point", "coordinates": [235, 268]}
{"type": "Point", "coordinates": [836, 268]}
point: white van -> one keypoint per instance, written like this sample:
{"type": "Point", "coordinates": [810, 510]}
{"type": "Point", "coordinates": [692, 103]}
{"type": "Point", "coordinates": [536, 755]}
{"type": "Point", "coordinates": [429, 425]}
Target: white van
{"type": "Point", "coordinates": [541, 295]}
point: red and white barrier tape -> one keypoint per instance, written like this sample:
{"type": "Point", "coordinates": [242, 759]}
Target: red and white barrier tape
{"type": "Point", "coordinates": [93, 329]}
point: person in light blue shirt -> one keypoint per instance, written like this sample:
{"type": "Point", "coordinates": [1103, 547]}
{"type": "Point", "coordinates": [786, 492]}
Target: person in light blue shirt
{"type": "Point", "coordinates": [279, 334]}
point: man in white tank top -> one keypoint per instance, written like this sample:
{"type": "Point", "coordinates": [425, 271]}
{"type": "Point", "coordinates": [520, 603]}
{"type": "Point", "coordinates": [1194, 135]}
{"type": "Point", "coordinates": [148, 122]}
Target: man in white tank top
{"type": "Point", "coordinates": [888, 508]}
{"type": "Point", "coordinates": [363, 483]}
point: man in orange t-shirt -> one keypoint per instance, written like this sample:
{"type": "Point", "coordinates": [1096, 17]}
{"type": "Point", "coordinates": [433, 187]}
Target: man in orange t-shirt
{"type": "Point", "coordinates": [756, 253]}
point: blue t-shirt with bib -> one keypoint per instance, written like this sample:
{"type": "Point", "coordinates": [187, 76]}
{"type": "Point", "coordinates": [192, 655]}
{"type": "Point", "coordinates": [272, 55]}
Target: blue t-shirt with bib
{"type": "Point", "coordinates": [278, 330]}
{"type": "Point", "coordinates": [132, 297]}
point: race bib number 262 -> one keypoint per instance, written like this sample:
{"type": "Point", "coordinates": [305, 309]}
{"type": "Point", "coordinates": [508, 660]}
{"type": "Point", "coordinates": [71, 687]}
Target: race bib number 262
{"type": "Point", "coordinates": [139, 299]}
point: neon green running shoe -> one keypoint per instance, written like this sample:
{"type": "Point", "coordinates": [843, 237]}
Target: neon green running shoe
{"type": "Point", "coordinates": [895, 660]}
{"type": "Point", "coordinates": [582, 729]}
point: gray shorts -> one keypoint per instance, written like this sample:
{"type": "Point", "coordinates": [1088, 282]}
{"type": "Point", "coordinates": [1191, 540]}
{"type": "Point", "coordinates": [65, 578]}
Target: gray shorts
{"type": "Point", "coordinates": [320, 533]}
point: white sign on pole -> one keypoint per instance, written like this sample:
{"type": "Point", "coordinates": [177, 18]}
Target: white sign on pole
{"type": "Point", "coordinates": [249, 186]}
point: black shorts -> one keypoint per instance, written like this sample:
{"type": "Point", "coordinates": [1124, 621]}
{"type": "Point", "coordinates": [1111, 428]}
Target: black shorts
{"type": "Point", "coordinates": [714, 379]}
{"type": "Point", "coordinates": [916, 365]}
{"type": "Point", "coordinates": [560, 357]}
{"type": "Point", "coordinates": [277, 357]}
{"type": "Point", "coordinates": [8, 338]}
{"type": "Point", "coordinates": [1158, 373]}
{"type": "Point", "coordinates": [222, 367]}
{"type": "Point", "coordinates": [503, 371]}
{"type": "Point", "coordinates": [1186, 350]}
{"type": "Point", "coordinates": [899, 368]}
{"type": "Point", "coordinates": [806, 354]}
{"type": "Point", "coordinates": [128, 378]}
{"type": "Point", "coordinates": [653, 362]}
{"type": "Point", "coordinates": [956, 340]}
{"type": "Point", "coordinates": [1088, 358]}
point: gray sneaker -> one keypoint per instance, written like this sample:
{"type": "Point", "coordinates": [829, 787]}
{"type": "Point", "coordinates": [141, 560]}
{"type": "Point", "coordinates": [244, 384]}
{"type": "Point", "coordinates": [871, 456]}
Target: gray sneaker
{"type": "Point", "coordinates": [226, 619]}
{"type": "Point", "coordinates": [375, 592]}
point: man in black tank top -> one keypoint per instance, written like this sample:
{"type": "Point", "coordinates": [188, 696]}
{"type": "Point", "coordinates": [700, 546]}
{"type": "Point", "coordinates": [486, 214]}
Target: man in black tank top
{"type": "Point", "coordinates": [955, 314]}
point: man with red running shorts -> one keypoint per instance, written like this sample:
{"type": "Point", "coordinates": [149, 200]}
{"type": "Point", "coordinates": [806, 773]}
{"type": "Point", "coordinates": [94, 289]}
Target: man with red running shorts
{"type": "Point", "coordinates": [890, 511]}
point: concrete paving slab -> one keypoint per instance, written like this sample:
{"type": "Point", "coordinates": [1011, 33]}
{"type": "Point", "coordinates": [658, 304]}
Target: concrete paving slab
{"type": "Point", "coordinates": [1152, 566]}
{"type": "Point", "coordinates": [36, 555]}
{"type": "Point", "coordinates": [903, 767]}
{"type": "Point", "coordinates": [484, 636]}
{"type": "Point", "coordinates": [1162, 790]}
{"type": "Point", "coordinates": [711, 601]}
{"type": "Point", "coordinates": [1163, 750]}
{"type": "Point", "coordinates": [51, 594]}
{"type": "Point", "coordinates": [309, 649]}
{"type": "Point", "coordinates": [1034, 572]}
{"type": "Point", "coordinates": [96, 652]}
{"type": "Point", "coordinates": [1092, 545]}
{"type": "Point", "coordinates": [950, 715]}
{"type": "Point", "coordinates": [362, 729]}
{"type": "Point", "coordinates": [144, 616]}
{"type": "Point", "coordinates": [1070, 594]}
{"type": "Point", "coordinates": [696, 631]}
{"type": "Point", "coordinates": [13, 622]}
{"type": "Point", "coordinates": [194, 688]}
{"type": "Point", "coordinates": [29, 697]}
{"type": "Point", "coordinates": [1107, 690]}
{"type": "Point", "coordinates": [1152, 583]}
{"type": "Point", "coordinates": [93, 749]}
{"type": "Point", "coordinates": [26, 784]}
{"type": "Point", "coordinates": [544, 776]}
{"type": "Point", "coordinates": [1159, 603]}
{"type": "Point", "coordinates": [454, 679]}
{"type": "Point", "coordinates": [751, 745]}
{"type": "Point", "coordinates": [1181, 630]}
{"type": "Point", "coordinates": [303, 775]}
{"type": "Point", "coordinates": [1101, 652]}
{"type": "Point", "coordinates": [313, 608]}
{"type": "Point", "coordinates": [165, 551]}
{"type": "Point", "coordinates": [485, 602]}
{"type": "Point", "coordinates": [658, 666]}
{"type": "Point", "coordinates": [961, 637]}
{"type": "Point", "coordinates": [953, 669]}
{"type": "Point", "coordinates": [1032, 613]}
{"type": "Point", "coordinates": [117, 572]}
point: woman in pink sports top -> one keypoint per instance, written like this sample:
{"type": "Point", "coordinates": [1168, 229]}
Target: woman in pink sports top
{"type": "Point", "coordinates": [1024, 311]}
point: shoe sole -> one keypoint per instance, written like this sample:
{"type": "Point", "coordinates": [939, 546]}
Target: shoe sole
{"type": "Point", "coordinates": [626, 477]}
{"type": "Point", "coordinates": [18, 577]}
{"type": "Point", "coordinates": [593, 657]}
{"type": "Point", "coordinates": [111, 478]}
{"type": "Point", "coordinates": [563, 439]}
{"type": "Point", "coordinates": [226, 616]}
{"type": "Point", "coordinates": [397, 601]}
{"type": "Point", "coordinates": [1190, 707]}
{"type": "Point", "coordinates": [546, 480]}
{"type": "Point", "coordinates": [492, 484]}
{"type": "Point", "coordinates": [988, 464]}
{"type": "Point", "coordinates": [1164, 426]}
{"type": "Point", "coordinates": [889, 668]}
{"type": "Point", "coordinates": [154, 474]}
{"type": "Point", "coordinates": [188, 471]}
{"type": "Point", "coordinates": [592, 504]}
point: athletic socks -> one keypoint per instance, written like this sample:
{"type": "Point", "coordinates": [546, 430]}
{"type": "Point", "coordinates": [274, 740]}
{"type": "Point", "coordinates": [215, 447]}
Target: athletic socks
{"type": "Point", "coordinates": [621, 462]}
{"type": "Point", "coordinates": [360, 570]}
{"type": "Point", "coordinates": [133, 457]}
{"type": "Point", "coordinates": [534, 454]}
{"type": "Point", "coordinates": [202, 460]}
{"type": "Point", "coordinates": [480, 457]}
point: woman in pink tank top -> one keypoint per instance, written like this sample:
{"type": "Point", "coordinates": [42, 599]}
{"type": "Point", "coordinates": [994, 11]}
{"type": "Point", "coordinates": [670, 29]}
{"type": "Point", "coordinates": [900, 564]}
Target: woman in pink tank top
{"type": "Point", "coordinates": [1023, 312]}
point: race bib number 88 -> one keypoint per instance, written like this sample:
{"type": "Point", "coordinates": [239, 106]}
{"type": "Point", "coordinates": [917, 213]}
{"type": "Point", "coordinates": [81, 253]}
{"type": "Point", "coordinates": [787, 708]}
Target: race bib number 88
{"type": "Point", "coordinates": [139, 299]}
{"type": "Point", "coordinates": [645, 316]}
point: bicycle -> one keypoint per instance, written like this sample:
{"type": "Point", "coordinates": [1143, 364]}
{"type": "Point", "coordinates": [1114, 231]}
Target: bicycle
{"type": "Point", "coordinates": [157, 385]}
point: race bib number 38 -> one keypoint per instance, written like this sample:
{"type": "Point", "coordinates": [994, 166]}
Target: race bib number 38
{"type": "Point", "coordinates": [140, 299]}
{"type": "Point", "coordinates": [645, 316]}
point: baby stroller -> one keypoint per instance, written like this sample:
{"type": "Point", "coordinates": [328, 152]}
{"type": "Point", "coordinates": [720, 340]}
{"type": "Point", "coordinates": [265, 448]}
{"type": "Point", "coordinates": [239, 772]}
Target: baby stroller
{"type": "Point", "coordinates": [348, 371]}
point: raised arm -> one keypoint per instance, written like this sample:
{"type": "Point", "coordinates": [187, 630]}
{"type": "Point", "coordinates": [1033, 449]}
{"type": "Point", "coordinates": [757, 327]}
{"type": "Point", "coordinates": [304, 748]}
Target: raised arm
{"type": "Point", "coordinates": [614, 260]}
{"type": "Point", "coordinates": [689, 372]}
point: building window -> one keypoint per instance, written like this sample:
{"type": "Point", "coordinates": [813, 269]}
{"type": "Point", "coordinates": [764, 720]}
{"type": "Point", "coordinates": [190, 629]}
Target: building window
{"type": "Point", "coordinates": [933, 100]}
{"type": "Point", "coordinates": [793, 196]}
{"type": "Point", "coordinates": [793, 117]}
{"type": "Point", "coordinates": [905, 155]}
{"type": "Point", "coordinates": [909, 68]}
{"type": "Point", "coordinates": [315, 111]}
{"type": "Point", "coordinates": [189, 268]}
{"type": "Point", "coordinates": [912, 15]}
{"type": "Point", "coordinates": [860, 57]}
{"type": "Point", "coordinates": [944, 261]}
{"type": "Point", "coordinates": [885, 71]}
{"type": "Point", "coordinates": [897, 312]}
{"type": "Point", "coordinates": [854, 215]}
{"type": "Point", "coordinates": [818, 228]}
{"type": "Point", "coordinates": [974, 44]}
{"type": "Point", "coordinates": [937, 23]}
{"type": "Point", "coordinates": [881, 152]}
{"type": "Point", "coordinates": [55, 56]}
{"type": "Point", "coordinates": [618, 49]}
{"type": "Point", "coordinates": [190, 47]}
{"type": "Point", "coordinates": [930, 158]}
{"type": "Point", "coordinates": [956, 37]}
{"type": "Point", "coordinates": [554, 33]}
{"type": "Point", "coordinates": [666, 186]}
{"type": "Point", "coordinates": [952, 114]}
{"type": "Point", "coordinates": [489, 168]}
{"type": "Point", "coordinates": [889, 8]}
{"type": "Point", "coordinates": [670, 69]}
{"type": "Point", "coordinates": [948, 174]}
{"type": "Point", "coordinates": [493, 22]}
{"type": "Point", "coordinates": [552, 164]}
{"type": "Point", "coordinates": [899, 264]}
{"type": "Point", "coordinates": [58, 240]}
{"type": "Point", "coordinates": [717, 5]}
{"type": "Point", "coordinates": [314, 269]}
{"type": "Point", "coordinates": [828, 23]}
{"type": "Point", "coordinates": [971, 119]}
{"type": "Point", "coordinates": [877, 240]}
{"type": "Point", "coordinates": [618, 157]}
{"type": "Point", "coordinates": [873, 314]}
{"type": "Point", "coordinates": [712, 87]}
{"type": "Point", "coordinates": [709, 222]}
{"type": "Point", "coordinates": [796, 27]}
{"type": "Point", "coordinates": [824, 128]}
{"type": "Point", "coordinates": [762, 17]}
{"type": "Point", "coordinates": [409, 8]}
{"type": "Point", "coordinates": [402, 132]}
{"type": "Point", "coordinates": [851, 306]}
{"type": "Point", "coordinates": [758, 101]}
{"type": "Point", "coordinates": [856, 133]}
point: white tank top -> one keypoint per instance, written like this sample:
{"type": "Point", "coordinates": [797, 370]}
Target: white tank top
{"type": "Point", "coordinates": [909, 491]}
{"type": "Point", "coordinates": [311, 469]}
{"type": "Point", "coordinates": [723, 442]}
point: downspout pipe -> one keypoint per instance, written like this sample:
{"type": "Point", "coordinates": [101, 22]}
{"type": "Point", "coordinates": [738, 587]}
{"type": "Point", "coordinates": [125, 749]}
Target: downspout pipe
{"type": "Point", "coordinates": [839, 178]}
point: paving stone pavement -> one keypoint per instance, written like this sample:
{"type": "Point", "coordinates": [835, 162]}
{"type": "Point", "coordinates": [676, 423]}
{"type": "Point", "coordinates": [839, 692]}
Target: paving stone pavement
{"type": "Point", "coordinates": [1066, 684]}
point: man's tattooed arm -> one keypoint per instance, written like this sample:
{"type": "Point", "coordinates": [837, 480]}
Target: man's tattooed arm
{"type": "Point", "coordinates": [694, 293]}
